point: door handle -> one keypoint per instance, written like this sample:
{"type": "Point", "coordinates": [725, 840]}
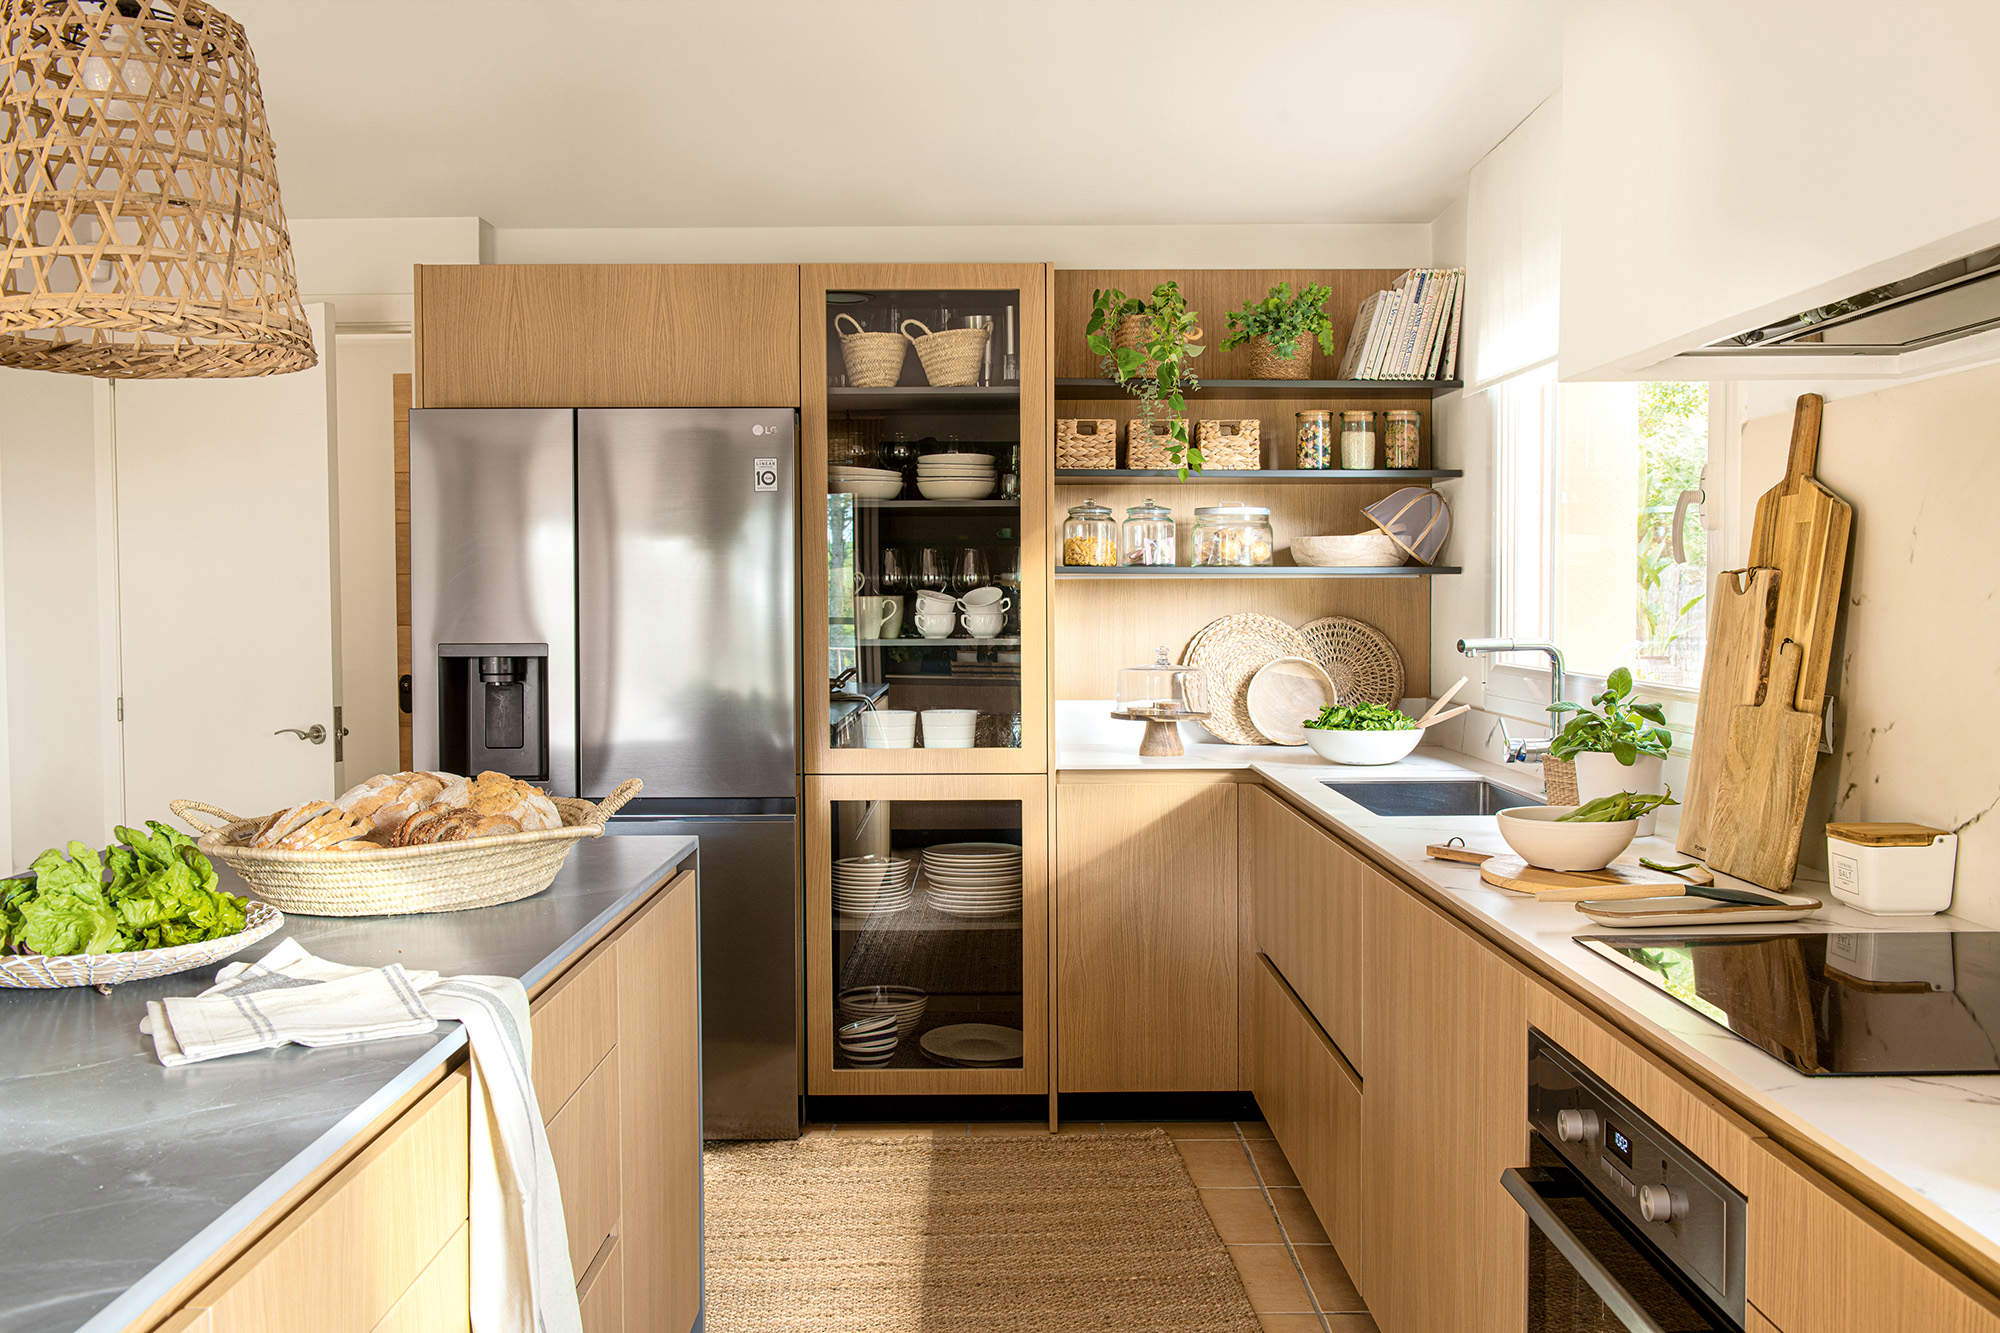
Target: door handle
{"type": "Point", "coordinates": [316, 734]}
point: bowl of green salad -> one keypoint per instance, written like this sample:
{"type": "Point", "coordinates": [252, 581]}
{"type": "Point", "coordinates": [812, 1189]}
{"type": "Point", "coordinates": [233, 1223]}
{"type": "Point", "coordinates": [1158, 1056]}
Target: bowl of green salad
{"type": "Point", "coordinates": [1362, 733]}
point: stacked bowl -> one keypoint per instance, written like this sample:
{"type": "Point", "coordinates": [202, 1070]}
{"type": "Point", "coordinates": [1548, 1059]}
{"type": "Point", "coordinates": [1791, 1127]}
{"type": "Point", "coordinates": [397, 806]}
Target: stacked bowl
{"type": "Point", "coordinates": [902, 1004]}
{"type": "Point", "coordinates": [956, 476]}
{"type": "Point", "coordinates": [949, 728]}
{"type": "Point", "coordinates": [872, 885]}
{"type": "Point", "coordinates": [870, 483]}
{"type": "Point", "coordinates": [868, 1041]}
{"type": "Point", "coordinates": [889, 729]}
{"type": "Point", "coordinates": [973, 879]}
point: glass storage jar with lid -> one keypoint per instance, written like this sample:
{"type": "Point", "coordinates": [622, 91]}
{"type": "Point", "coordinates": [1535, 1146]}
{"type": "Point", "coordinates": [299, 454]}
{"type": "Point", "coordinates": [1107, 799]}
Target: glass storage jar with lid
{"type": "Point", "coordinates": [1147, 535]}
{"type": "Point", "coordinates": [1090, 537]}
{"type": "Point", "coordinates": [1233, 534]}
{"type": "Point", "coordinates": [1357, 440]}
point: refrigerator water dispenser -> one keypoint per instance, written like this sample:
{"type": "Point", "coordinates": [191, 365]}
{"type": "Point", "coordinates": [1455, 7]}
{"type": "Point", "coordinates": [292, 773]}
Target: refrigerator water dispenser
{"type": "Point", "coordinates": [492, 709]}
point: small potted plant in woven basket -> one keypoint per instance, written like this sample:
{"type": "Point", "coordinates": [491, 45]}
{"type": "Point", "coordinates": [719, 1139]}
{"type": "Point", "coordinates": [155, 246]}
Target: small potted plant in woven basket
{"type": "Point", "coordinates": [1148, 345]}
{"type": "Point", "coordinates": [1622, 748]}
{"type": "Point", "coordinates": [1281, 330]}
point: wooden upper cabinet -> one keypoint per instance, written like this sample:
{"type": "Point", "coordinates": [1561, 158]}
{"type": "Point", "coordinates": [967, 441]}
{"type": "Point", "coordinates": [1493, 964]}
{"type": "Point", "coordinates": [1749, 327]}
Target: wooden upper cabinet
{"type": "Point", "coordinates": [607, 335]}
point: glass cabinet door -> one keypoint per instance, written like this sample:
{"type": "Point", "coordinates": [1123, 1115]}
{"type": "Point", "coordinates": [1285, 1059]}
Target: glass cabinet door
{"type": "Point", "coordinates": [925, 489]}
{"type": "Point", "coordinates": [927, 935]}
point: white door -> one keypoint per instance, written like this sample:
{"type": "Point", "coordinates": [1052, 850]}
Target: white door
{"type": "Point", "coordinates": [227, 602]}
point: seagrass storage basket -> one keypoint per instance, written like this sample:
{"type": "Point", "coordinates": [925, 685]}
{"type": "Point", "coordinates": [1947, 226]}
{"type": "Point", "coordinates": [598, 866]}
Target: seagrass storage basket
{"type": "Point", "coordinates": [1146, 444]}
{"type": "Point", "coordinates": [1087, 442]}
{"type": "Point", "coordinates": [1267, 364]}
{"type": "Point", "coordinates": [951, 357]}
{"type": "Point", "coordinates": [396, 881]}
{"type": "Point", "coordinates": [874, 360]}
{"type": "Point", "coordinates": [1229, 445]}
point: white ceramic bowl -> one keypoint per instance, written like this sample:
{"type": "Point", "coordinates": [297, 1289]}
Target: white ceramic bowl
{"type": "Point", "coordinates": [987, 461]}
{"type": "Point", "coordinates": [943, 489]}
{"type": "Point", "coordinates": [1536, 836]}
{"type": "Point", "coordinates": [1360, 548]}
{"type": "Point", "coordinates": [1362, 747]}
{"type": "Point", "coordinates": [868, 490]}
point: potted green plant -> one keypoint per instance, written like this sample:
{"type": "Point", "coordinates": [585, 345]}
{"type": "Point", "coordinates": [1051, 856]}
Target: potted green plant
{"type": "Point", "coordinates": [1621, 748]}
{"type": "Point", "coordinates": [1148, 345]}
{"type": "Point", "coordinates": [1281, 330]}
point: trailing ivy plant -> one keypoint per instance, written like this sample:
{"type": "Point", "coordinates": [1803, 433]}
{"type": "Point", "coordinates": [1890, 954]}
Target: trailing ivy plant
{"type": "Point", "coordinates": [1284, 320]}
{"type": "Point", "coordinates": [1172, 342]}
{"type": "Point", "coordinates": [1624, 729]}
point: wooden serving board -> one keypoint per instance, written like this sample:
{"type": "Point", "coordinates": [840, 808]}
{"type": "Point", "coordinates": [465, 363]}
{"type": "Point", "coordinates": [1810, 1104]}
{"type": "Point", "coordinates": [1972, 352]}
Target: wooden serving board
{"type": "Point", "coordinates": [1742, 612]}
{"type": "Point", "coordinates": [1617, 880]}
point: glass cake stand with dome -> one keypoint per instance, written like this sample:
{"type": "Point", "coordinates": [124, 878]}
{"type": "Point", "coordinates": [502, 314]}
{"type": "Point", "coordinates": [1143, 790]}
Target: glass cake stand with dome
{"type": "Point", "coordinates": [1162, 696]}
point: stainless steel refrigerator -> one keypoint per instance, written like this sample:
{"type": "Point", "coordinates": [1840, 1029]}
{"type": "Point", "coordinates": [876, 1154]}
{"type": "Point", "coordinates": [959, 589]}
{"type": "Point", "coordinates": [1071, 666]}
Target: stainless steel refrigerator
{"type": "Point", "coordinates": [605, 593]}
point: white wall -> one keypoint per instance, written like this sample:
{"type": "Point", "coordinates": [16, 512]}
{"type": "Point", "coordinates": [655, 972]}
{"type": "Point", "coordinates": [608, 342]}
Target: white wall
{"type": "Point", "coordinates": [48, 524]}
{"type": "Point", "coordinates": [1725, 163]}
{"type": "Point", "coordinates": [366, 484]}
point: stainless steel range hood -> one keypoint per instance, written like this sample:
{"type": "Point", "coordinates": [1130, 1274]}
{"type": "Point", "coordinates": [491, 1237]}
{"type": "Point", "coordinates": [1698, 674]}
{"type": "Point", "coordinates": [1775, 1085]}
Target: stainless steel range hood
{"type": "Point", "coordinates": [1939, 305]}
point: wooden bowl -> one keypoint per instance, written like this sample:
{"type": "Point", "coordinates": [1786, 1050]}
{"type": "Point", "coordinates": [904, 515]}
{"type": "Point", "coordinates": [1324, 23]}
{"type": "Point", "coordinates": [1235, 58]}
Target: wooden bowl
{"type": "Point", "coordinates": [1360, 548]}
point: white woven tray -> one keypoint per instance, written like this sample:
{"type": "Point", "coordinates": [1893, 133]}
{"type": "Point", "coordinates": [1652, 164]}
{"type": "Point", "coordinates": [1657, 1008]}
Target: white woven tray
{"type": "Point", "coordinates": [33, 971]}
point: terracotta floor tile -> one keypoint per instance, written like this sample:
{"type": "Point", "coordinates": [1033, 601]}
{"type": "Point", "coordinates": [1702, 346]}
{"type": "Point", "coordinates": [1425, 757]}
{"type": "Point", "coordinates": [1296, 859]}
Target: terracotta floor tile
{"type": "Point", "coordinates": [1216, 1163]}
{"type": "Point", "coordinates": [1200, 1129]}
{"type": "Point", "coordinates": [897, 1130]}
{"type": "Point", "coordinates": [1331, 1286]}
{"type": "Point", "coordinates": [1270, 1280]}
{"type": "Point", "coordinates": [1254, 1129]}
{"type": "Point", "coordinates": [1241, 1216]}
{"type": "Point", "coordinates": [1301, 1224]}
{"type": "Point", "coordinates": [1290, 1323]}
{"type": "Point", "coordinates": [1271, 1163]}
{"type": "Point", "coordinates": [1010, 1127]}
{"type": "Point", "coordinates": [1352, 1323]}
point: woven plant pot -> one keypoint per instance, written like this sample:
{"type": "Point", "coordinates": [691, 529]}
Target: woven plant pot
{"type": "Point", "coordinates": [1559, 781]}
{"type": "Point", "coordinates": [396, 881]}
{"type": "Point", "coordinates": [1131, 332]}
{"type": "Point", "coordinates": [874, 360]}
{"type": "Point", "coordinates": [1266, 364]}
{"type": "Point", "coordinates": [951, 357]}
{"type": "Point", "coordinates": [1087, 442]}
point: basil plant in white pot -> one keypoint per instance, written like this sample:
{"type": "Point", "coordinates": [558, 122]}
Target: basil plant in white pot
{"type": "Point", "coordinates": [1623, 747]}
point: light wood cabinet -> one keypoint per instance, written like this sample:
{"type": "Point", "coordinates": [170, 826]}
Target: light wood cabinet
{"type": "Point", "coordinates": [1755, 1322]}
{"type": "Point", "coordinates": [1311, 1099]}
{"type": "Point", "coordinates": [440, 1300]}
{"type": "Point", "coordinates": [583, 1143]}
{"type": "Point", "coordinates": [1445, 1113]}
{"type": "Point", "coordinates": [1146, 963]}
{"type": "Point", "coordinates": [1305, 903]}
{"type": "Point", "coordinates": [601, 1294]}
{"type": "Point", "coordinates": [1820, 1260]}
{"type": "Point", "coordinates": [607, 335]}
{"type": "Point", "coordinates": [575, 1023]}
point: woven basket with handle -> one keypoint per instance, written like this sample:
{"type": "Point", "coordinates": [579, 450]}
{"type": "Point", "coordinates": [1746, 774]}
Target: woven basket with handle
{"type": "Point", "coordinates": [874, 360]}
{"type": "Point", "coordinates": [951, 357]}
{"type": "Point", "coordinates": [1087, 442]}
{"type": "Point", "coordinates": [1230, 446]}
{"type": "Point", "coordinates": [396, 881]}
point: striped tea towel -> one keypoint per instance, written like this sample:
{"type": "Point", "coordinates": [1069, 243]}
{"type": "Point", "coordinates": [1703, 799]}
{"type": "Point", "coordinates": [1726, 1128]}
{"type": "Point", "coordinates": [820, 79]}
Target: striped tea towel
{"type": "Point", "coordinates": [522, 1281]}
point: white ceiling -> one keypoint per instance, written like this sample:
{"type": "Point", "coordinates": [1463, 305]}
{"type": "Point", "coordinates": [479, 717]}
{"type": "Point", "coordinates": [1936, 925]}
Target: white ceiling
{"type": "Point", "coordinates": [558, 113]}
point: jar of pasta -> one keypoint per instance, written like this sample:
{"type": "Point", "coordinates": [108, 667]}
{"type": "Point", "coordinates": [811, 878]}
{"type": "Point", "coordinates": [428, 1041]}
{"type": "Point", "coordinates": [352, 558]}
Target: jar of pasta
{"type": "Point", "coordinates": [1315, 440]}
{"type": "Point", "coordinates": [1400, 432]}
{"type": "Point", "coordinates": [1232, 534]}
{"type": "Point", "coordinates": [1090, 536]}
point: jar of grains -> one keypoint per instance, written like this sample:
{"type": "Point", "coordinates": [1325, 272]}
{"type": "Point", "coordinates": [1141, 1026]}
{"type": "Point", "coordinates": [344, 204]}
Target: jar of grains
{"type": "Point", "coordinates": [1090, 537]}
{"type": "Point", "coordinates": [1147, 535]}
{"type": "Point", "coordinates": [1357, 440]}
{"type": "Point", "coordinates": [1234, 534]}
{"type": "Point", "coordinates": [1400, 431]}
{"type": "Point", "coordinates": [1315, 440]}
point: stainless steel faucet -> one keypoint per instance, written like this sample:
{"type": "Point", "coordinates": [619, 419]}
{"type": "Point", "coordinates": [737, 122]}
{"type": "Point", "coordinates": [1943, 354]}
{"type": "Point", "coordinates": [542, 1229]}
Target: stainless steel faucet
{"type": "Point", "coordinates": [1527, 749]}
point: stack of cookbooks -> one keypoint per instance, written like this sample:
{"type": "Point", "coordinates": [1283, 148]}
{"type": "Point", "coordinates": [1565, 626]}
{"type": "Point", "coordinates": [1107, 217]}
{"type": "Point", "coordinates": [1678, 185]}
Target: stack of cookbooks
{"type": "Point", "coordinates": [1409, 332]}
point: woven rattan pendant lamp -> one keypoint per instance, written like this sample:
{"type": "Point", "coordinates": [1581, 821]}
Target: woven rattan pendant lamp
{"type": "Point", "coordinates": [139, 196]}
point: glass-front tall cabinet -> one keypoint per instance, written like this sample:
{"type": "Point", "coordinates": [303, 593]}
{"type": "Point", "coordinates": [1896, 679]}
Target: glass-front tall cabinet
{"type": "Point", "coordinates": [925, 437]}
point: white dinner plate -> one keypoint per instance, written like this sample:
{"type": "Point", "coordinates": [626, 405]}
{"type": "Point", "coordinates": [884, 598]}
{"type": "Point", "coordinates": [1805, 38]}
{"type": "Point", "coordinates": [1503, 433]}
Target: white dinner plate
{"type": "Point", "coordinates": [973, 1044]}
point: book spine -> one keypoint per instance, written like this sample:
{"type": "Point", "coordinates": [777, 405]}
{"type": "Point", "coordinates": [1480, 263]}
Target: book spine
{"type": "Point", "coordinates": [1434, 295]}
{"type": "Point", "coordinates": [1450, 371]}
{"type": "Point", "coordinates": [1406, 345]}
{"type": "Point", "coordinates": [1357, 336]}
{"type": "Point", "coordinates": [1378, 338]}
{"type": "Point", "coordinates": [1434, 339]}
{"type": "Point", "coordinates": [1392, 336]}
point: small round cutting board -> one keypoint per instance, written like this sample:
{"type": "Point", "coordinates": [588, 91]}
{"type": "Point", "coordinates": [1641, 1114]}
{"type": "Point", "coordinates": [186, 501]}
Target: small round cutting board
{"type": "Point", "coordinates": [1285, 694]}
{"type": "Point", "coordinates": [1617, 880]}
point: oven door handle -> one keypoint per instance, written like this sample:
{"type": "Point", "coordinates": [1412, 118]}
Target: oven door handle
{"type": "Point", "coordinates": [1522, 1185]}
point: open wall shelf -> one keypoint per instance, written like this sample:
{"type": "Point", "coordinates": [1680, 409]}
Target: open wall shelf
{"type": "Point", "coordinates": [993, 398]}
{"type": "Point", "coordinates": [1256, 572]}
{"type": "Point", "coordinates": [1106, 476]}
{"type": "Point", "coordinates": [1100, 388]}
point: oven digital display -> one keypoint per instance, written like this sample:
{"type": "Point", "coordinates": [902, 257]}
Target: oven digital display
{"type": "Point", "coordinates": [1619, 1142]}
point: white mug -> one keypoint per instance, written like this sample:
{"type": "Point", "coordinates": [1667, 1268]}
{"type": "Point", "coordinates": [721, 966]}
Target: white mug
{"type": "Point", "coordinates": [878, 617]}
{"type": "Point", "coordinates": [934, 627]}
{"type": "Point", "coordinates": [984, 624]}
{"type": "Point", "coordinates": [986, 599]}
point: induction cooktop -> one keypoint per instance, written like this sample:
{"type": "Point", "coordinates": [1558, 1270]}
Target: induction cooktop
{"type": "Point", "coordinates": [1860, 1002]}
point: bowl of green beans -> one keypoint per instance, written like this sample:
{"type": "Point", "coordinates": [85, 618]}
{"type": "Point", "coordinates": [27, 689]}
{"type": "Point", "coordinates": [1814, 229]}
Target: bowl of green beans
{"type": "Point", "coordinates": [1577, 837]}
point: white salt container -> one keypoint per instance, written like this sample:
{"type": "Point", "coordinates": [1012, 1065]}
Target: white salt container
{"type": "Point", "coordinates": [1891, 869]}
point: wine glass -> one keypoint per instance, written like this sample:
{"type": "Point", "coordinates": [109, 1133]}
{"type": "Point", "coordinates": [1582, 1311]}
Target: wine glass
{"type": "Point", "coordinates": [893, 576]}
{"type": "Point", "coordinates": [969, 569]}
{"type": "Point", "coordinates": [931, 570]}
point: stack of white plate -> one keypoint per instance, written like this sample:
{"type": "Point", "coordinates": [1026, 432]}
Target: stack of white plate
{"type": "Point", "coordinates": [870, 483]}
{"type": "Point", "coordinates": [872, 885]}
{"type": "Point", "coordinates": [888, 729]}
{"type": "Point", "coordinates": [956, 476]}
{"type": "Point", "coordinates": [949, 728]}
{"type": "Point", "coordinates": [973, 878]}
{"type": "Point", "coordinates": [905, 1004]}
{"type": "Point", "coordinates": [868, 1041]}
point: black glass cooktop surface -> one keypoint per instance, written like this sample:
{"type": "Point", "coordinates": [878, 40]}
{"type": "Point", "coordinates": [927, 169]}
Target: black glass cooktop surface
{"type": "Point", "coordinates": [1862, 1002]}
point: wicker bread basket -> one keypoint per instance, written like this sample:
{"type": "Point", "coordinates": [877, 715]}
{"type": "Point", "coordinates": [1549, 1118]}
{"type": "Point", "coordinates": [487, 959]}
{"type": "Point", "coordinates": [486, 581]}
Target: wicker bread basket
{"type": "Point", "coordinates": [951, 357]}
{"type": "Point", "coordinates": [1230, 446]}
{"type": "Point", "coordinates": [874, 360]}
{"type": "Point", "coordinates": [396, 881]}
{"type": "Point", "coordinates": [1087, 442]}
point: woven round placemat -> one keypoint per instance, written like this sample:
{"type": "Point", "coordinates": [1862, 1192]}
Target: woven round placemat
{"type": "Point", "coordinates": [1363, 665]}
{"type": "Point", "coordinates": [1229, 651]}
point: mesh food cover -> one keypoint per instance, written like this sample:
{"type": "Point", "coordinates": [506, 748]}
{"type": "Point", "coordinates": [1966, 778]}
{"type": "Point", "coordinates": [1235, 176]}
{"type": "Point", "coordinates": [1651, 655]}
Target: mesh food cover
{"type": "Point", "coordinates": [1416, 519]}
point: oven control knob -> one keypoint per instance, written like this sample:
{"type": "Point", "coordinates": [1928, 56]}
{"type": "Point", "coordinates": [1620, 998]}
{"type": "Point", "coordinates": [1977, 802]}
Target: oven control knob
{"type": "Point", "coordinates": [1657, 1203]}
{"type": "Point", "coordinates": [1576, 1126]}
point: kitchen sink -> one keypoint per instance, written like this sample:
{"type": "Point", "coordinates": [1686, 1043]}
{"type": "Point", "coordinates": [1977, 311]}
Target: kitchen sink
{"type": "Point", "coordinates": [1446, 796]}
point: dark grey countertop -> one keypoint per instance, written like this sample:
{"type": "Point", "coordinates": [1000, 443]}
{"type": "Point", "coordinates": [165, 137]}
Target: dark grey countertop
{"type": "Point", "coordinates": [120, 1177]}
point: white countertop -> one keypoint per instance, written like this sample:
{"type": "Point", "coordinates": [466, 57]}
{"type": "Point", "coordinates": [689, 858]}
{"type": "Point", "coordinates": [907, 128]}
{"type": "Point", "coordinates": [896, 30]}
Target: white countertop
{"type": "Point", "coordinates": [1927, 1140]}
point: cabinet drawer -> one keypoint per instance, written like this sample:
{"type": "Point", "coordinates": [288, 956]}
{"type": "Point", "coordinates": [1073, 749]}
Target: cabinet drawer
{"type": "Point", "coordinates": [440, 1300]}
{"type": "Point", "coordinates": [1312, 1103]}
{"type": "Point", "coordinates": [575, 1023]}
{"type": "Point", "coordinates": [1821, 1260]}
{"type": "Point", "coordinates": [343, 1258]}
{"type": "Point", "coordinates": [600, 1294]}
{"type": "Point", "coordinates": [583, 1140]}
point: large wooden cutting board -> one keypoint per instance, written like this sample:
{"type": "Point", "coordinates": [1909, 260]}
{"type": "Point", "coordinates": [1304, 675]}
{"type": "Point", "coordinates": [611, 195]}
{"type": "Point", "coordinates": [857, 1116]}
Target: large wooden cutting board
{"type": "Point", "coordinates": [1618, 880]}
{"type": "Point", "coordinates": [1742, 611]}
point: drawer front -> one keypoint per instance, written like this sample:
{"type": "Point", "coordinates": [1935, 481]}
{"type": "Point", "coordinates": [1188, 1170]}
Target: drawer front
{"type": "Point", "coordinates": [583, 1140]}
{"type": "Point", "coordinates": [1312, 1103]}
{"type": "Point", "coordinates": [601, 1293]}
{"type": "Point", "coordinates": [1306, 897]}
{"type": "Point", "coordinates": [350, 1251]}
{"type": "Point", "coordinates": [575, 1024]}
{"type": "Point", "coordinates": [440, 1300]}
{"type": "Point", "coordinates": [1821, 1260]}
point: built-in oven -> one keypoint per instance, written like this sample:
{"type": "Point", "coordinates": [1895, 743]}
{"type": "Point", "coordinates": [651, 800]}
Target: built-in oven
{"type": "Point", "coordinates": [1629, 1232]}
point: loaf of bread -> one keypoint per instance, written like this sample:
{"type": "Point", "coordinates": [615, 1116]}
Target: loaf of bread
{"type": "Point", "coordinates": [449, 824]}
{"type": "Point", "coordinates": [411, 809]}
{"type": "Point", "coordinates": [497, 795]}
{"type": "Point", "coordinates": [280, 825]}
{"type": "Point", "coordinates": [384, 801]}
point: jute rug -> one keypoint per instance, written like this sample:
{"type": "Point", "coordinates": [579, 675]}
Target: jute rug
{"type": "Point", "coordinates": [1036, 1234]}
